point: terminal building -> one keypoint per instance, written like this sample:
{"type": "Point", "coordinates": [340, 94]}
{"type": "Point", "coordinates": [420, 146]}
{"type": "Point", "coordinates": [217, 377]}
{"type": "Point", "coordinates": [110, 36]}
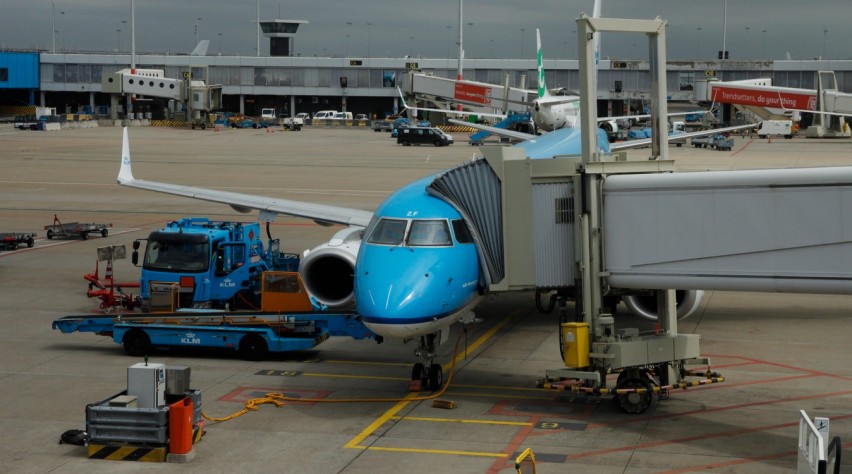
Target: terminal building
{"type": "Point", "coordinates": [71, 81]}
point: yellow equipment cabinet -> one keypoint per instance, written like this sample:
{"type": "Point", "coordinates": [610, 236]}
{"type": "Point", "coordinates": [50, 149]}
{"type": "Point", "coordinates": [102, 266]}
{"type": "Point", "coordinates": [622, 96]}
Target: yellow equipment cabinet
{"type": "Point", "coordinates": [575, 344]}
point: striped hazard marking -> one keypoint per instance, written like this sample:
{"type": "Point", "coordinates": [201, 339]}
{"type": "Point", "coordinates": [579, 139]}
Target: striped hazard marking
{"type": "Point", "coordinates": [125, 452]}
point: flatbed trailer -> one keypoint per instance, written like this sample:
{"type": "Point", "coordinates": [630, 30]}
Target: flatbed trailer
{"type": "Point", "coordinates": [75, 229]}
{"type": "Point", "coordinates": [253, 335]}
{"type": "Point", "coordinates": [11, 240]}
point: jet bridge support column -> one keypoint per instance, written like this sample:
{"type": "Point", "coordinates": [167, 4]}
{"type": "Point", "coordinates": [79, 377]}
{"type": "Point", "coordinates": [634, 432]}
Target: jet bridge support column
{"type": "Point", "coordinates": [646, 363]}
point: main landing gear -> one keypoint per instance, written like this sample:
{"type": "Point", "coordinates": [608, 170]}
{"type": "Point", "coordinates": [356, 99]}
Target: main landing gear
{"type": "Point", "coordinates": [429, 375]}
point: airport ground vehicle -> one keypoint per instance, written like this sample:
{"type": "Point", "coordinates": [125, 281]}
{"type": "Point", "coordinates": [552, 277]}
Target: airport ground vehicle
{"type": "Point", "coordinates": [382, 125]}
{"type": "Point", "coordinates": [324, 114]}
{"type": "Point", "coordinates": [75, 229]}
{"type": "Point", "coordinates": [718, 141]}
{"type": "Point", "coordinates": [11, 240]}
{"type": "Point", "coordinates": [342, 116]}
{"type": "Point", "coordinates": [285, 322]}
{"type": "Point", "coordinates": [292, 123]}
{"type": "Point", "coordinates": [199, 263]}
{"type": "Point", "coordinates": [775, 127]}
{"type": "Point", "coordinates": [303, 116]}
{"type": "Point", "coordinates": [419, 135]}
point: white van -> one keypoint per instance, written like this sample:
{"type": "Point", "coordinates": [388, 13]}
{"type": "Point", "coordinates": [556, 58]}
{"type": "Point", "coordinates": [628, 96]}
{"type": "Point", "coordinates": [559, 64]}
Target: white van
{"type": "Point", "coordinates": [775, 127]}
{"type": "Point", "coordinates": [342, 116]}
{"type": "Point", "coordinates": [324, 114]}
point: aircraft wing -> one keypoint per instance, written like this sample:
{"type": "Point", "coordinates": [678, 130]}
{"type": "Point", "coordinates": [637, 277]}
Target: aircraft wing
{"type": "Point", "coordinates": [647, 141]}
{"type": "Point", "coordinates": [497, 131]}
{"type": "Point", "coordinates": [320, 213]}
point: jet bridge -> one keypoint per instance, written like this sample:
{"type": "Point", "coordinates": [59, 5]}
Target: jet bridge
{"type": "Point", "coordinates": [591, 226]}
{"type": "Point", "coordinates": [478, 96]}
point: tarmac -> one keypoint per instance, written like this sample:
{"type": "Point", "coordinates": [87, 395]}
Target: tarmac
{"type": "Point", "coordinates": [778, 353]}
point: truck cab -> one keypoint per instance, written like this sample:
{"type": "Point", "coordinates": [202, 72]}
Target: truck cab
{"type": "Point", "coordinates": [198, 263]}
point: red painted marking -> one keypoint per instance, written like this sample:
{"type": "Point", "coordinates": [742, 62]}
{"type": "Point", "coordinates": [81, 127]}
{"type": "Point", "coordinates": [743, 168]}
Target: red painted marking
{"type": "Point", "coordinates": [514, 446]}
{"type": "Point", "coordinates": [508, 408]}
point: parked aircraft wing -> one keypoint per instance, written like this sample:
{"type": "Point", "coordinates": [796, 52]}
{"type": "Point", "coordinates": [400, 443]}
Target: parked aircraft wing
{"type": "Point", "coordinates": [497, 131]}
{"type": "Point", "coordinates": [647, 141]}
{"type": "Point", "coordinates": [320, 213]}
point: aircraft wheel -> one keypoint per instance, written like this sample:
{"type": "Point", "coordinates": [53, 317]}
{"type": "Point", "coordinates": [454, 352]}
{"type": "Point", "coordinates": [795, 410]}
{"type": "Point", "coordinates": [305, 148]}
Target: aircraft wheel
{"type": "Point", "coordinates": [49, 234]}
{"type": "Point", "coordinates": [137, 343]}
{"type": "Point", "coordinates": [436, 377]}
{"type": "Point", "coordinates": [253, 347]}
{"type": "Point", "coordinates": [30, 242]}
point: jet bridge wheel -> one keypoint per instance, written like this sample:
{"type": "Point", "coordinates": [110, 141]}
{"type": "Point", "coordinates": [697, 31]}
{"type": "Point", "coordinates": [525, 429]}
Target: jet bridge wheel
{"type": "Point", "coordinates": [634, 402]}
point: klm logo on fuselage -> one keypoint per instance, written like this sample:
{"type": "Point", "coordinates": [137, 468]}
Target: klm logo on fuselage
{"type": "Point", "coordinates": [190, 339]}
{"type": "Point", "coordinates": [228, 283]}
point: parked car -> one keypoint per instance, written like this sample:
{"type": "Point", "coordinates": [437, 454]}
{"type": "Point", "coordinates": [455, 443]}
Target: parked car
{"type": "Point", "coordinates": [416, 135]}
{"type": "Point", "coordinates": [324, 114]}
{"type": "Point", "coordinates": [303, 116]}
{"type": "Point", "coordinates": [362, 117]}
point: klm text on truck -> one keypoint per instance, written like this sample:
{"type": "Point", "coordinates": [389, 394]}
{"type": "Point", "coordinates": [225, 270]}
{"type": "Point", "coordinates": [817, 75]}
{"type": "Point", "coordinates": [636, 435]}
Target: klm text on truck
{"type": "Point", "coordinates": [199, 263]}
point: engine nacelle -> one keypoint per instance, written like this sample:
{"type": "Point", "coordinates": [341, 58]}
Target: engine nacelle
{"type": "Point", "coordinates": [328, 270]}
{"type": "Point", "coordinates": [686, 302]}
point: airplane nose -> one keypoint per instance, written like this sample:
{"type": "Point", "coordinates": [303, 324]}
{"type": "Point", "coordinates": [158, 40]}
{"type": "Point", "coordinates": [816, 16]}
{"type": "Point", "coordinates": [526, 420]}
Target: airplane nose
{"type": "Point", "coordinates": [417, 288]}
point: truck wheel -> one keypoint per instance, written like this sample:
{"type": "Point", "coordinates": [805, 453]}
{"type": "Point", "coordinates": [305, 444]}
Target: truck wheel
{"type": "Point", "coordinates": [634, 402]}
{"type": "Point", "coordinates": [49, 234]}
{"type": "Point", "coordinates": [405, 143]}
{"type": "Point", "coordinates": [137, 343]}
{"type": "Point", "coordinates": [253, 347]}
{"type": "Point", "coordinates": [104, 232]}
{"type": "Point", "coordinates": [84, 235]}
{"type": "Point", "coordinates": [30, 242]}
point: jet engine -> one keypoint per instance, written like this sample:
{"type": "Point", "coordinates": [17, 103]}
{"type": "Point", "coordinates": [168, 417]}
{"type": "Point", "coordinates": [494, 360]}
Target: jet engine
{"type": "Point", "coordinates": [645, 306]}
{"type": "Point", "coordinates": [328, 270]}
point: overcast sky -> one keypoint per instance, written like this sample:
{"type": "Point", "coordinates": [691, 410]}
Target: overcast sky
{"type": "Point", "coordinates": [756, 29]}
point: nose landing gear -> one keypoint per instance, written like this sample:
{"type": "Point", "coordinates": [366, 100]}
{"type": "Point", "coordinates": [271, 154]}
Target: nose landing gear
{"type": "Point", "coordinates": [429, 375]}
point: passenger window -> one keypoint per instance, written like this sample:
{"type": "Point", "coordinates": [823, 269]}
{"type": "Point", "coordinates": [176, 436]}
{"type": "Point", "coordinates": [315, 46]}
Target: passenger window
{"type": "Point", "coordinates": [463, 235]}
{"type": "Point", "coordinates": [429, 233]}
{"type": "Point", "coordinates": [388, 232]}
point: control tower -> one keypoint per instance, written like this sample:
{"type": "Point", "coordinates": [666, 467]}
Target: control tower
{"type": "Point", "coordinates": [280, 34]}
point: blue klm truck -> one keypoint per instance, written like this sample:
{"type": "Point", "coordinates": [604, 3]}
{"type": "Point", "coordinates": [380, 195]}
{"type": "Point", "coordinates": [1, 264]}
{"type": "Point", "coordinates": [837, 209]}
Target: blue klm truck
{"type": "Point", "coordinates": [199, 263]}
{"type": "Point", "coordinates": [214, 284]}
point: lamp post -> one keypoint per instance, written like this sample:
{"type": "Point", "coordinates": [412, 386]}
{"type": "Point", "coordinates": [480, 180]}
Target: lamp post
{"type": "Point", "coordinates": [348, 32]}
{"type": "Point", "coordinates": [368, 38]}
{"type": "Point", "coordinates": [522, 42]}
{"type": "Point", "coordinates": [763, 49]}
{"type": "Point", "coordinates": [220, 43]}
{"type": "Point", "coordinates": [698, 48]}
{"type": "Point", "coordinates": [448, 40]}
{"type": "Point", "coordinates": [118, 40]}
{"type": "Point", "coordinates": [824, 41]}
{"type": "Point", "coordinates": [53, 4]}
{"type": "Point", "coordinates": [196, 30]}
{"type": "Point", "coordinates": [492, 48]}
{"type": "Point", "coordinates": [747, 45]}
{"type": "Point", "coordinates": [469, 24]}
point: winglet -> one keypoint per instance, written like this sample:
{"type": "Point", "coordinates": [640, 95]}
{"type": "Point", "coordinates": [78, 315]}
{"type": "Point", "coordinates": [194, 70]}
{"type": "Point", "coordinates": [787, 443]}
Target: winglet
{"type": "Point", "coordinates": [125, 174]}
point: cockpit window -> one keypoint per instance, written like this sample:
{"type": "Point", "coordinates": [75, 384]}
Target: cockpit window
{"type": "Point", "coordinates": [462, 232]}
{"type": "Point", "coordinates": [388, 232]}
{"type": "Point", "coordinates": [429, 233]}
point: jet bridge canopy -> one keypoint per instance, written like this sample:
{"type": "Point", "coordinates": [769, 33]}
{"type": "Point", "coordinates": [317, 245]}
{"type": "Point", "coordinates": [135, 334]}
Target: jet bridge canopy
{"type": "Point", "coordinates": [781, 230]}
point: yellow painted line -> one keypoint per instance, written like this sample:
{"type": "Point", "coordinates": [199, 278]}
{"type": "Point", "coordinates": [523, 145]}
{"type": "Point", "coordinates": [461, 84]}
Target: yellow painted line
{"type": "Point", "coordinates": [359, 362]}
{"type": "Point", "coordinates": [455, 420]}
{"type": "Point", "coordinates": [346, 376]}
{"type": "Point", "coordinates": [355, 443]}
{"type": "Point", "coordinates": [438, 451]}
{"type": "Point", "coordinates": [493, 395]}
{"type": "Point", "coordinates": [498, 387]}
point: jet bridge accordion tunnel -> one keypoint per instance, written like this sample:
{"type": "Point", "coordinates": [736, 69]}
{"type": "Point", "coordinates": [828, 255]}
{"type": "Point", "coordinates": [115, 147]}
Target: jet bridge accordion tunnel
{"type": "Point", "coordinates": [777, 230]}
